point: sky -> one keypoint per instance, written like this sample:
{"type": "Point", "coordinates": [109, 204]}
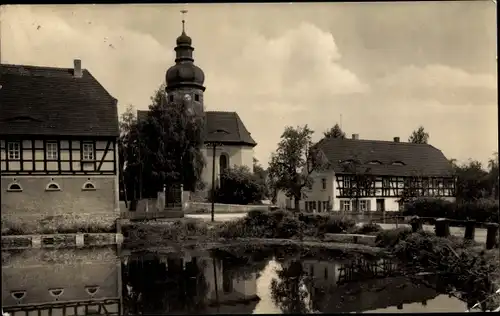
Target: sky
{"type": "Point", "coordinates": [384, 68]}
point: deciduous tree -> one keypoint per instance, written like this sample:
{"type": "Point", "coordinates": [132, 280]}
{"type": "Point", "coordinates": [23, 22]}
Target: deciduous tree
{"type": "Point", "coordinates": [239, 186]}
{"type": "Point", "coordinates": [294, 161]}
{"type": "Point", "coordinates": [168, 144]}
{"type": "Point", "coordinates": [419, 136]}
{"type": "Point", "coordinates": [334, 132]}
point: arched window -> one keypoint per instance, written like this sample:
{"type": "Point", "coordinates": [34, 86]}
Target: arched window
{"type": "Point", "coordinates": [52, 186]}
{"type": "Point", "coordinates": [88, 186]}
{"type": "Point", "coordinates": [14, 187]}
{"type": "Point", "coordinates": [56, 292]}
{"type": "Point", "coordinates": [92, 290]}
{"type": "Point", "coordinates": [223, 162]}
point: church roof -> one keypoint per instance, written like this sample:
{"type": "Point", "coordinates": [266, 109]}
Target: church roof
{"type": "Point", "coordinates": [51, 101]}
{"type": "Point", "coordinates": [386, 157]}
{"type": "Point", "coordinates": [235, 132]}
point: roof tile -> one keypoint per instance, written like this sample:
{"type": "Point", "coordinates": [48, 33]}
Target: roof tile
{"type": "Point", "coordinates": [51, 101]}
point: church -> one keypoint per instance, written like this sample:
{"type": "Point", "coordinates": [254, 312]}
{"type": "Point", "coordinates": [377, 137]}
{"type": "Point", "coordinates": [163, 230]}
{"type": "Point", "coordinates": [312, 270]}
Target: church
{"type": "Point", "coordinates": [185, 83]}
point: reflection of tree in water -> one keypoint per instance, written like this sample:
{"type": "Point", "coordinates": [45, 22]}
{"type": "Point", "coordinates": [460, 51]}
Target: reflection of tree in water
{"type": "Point", "coordinates": [239, 264]}
{"type": "Point", "coordinates": [159, 287]}
{"type": "Point", "coordinates": [289, 291]}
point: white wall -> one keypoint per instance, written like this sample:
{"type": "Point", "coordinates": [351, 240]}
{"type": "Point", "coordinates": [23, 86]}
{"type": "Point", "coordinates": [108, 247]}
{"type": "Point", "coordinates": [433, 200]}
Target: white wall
{"type": "Point", "coordinates": [238, 156]}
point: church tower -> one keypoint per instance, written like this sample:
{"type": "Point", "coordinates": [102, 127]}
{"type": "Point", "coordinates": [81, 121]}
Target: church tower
{"type": "Point", "coordinates": [184, 79]}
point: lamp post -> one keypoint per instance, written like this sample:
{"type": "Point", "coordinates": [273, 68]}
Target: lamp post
{"type": "Point", "coordinates": [214, 143]}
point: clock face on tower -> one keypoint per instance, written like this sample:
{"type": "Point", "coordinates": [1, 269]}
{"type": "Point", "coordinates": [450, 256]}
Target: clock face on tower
{"type": "Point", "coordinates": [187, 97]}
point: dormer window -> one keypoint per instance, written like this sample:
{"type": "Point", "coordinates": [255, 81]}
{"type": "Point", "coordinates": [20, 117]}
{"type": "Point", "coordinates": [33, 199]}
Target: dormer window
{"type": "Point", "coordinates": [398, 163]}
{"type": "Point", "coordinates": [374, 162]}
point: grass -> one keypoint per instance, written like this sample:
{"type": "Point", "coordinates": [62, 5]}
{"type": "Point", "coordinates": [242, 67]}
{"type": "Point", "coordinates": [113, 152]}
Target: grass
{"type": "Point", "coordinates": [66, 223]}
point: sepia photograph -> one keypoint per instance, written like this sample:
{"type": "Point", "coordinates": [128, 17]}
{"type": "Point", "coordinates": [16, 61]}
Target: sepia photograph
{"type": "Point", "coordinates": [249, 158]}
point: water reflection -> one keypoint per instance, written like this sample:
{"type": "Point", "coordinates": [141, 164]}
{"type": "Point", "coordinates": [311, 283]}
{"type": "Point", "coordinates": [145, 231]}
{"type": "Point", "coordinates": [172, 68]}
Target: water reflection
{"type": "Point", "coordinates": [95, 281]}
{"type": "Point", "coordinates": [61, 282]}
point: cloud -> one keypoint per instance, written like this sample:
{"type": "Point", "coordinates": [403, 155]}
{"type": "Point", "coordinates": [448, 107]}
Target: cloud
{"type": "Point", "coordinates": [446, 84]}
{"type": "Point", "coordinates": [297, 66]}
{"type": "Point", "coordinates": [120, 58]}
{"type": "Point", "coordinates": [297, 76]}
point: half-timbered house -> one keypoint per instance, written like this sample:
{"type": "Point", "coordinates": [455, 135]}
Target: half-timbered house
{"type": "Point", "coordinates": [373, 175]}
{"type": "Point", "coordinates": [58, 142]}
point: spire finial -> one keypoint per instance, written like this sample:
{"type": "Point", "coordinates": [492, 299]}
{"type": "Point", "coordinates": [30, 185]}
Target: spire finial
{"type": "Point", "coordinates": [183, 20]}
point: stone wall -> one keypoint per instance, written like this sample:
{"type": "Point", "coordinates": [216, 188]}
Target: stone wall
{"type": "Point", "coordinates": [35, 201]}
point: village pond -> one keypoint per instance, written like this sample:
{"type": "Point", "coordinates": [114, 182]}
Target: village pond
{"type": "Point", "coordinates": [106, 281]}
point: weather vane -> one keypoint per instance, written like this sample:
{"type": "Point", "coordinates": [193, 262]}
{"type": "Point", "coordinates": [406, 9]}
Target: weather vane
{"type": "Point", "coordinates": [183, 12]}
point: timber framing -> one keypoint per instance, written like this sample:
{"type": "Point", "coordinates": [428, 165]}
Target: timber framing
{"type": "Point", "coordinates": [391, 186]}
{"type": "Point", "coordinates": [34, 160]}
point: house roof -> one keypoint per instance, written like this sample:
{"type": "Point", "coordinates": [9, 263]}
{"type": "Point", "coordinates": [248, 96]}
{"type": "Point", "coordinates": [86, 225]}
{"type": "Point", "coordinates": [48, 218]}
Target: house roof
{"type": "Point", "coordinates": [386, 157]}
{"type": "Point", "coordinates": [218, 121]}
{"type": "Point", "coordinates": [51, 101]}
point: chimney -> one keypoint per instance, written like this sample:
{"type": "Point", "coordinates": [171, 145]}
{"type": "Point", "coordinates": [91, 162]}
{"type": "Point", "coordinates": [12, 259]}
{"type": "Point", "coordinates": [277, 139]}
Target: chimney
{"type": "Point", "coordinates": [77, 70]}
{"type": "Point", "coordinates": [396, 139]}
{"type": "Point", "coordinates": [355, 136]}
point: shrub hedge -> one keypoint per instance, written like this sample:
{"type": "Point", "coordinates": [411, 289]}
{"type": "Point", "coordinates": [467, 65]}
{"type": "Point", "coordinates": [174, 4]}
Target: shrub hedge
{"type": "Point", "coordinates": [481, 210]}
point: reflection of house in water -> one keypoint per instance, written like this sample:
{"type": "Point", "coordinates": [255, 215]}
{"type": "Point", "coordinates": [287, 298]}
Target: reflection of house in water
{"type": "Point", "coordinates": [79, 282]}
{"type": "Point", "coordinates": [194, 279]}
{"type": "Point", "coordinates": [361, 285]}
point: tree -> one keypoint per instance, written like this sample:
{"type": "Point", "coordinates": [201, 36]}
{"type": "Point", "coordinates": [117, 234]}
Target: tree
{"type": "Point", "coordinates": [334, 132]}
{"type": "Point", "coordinates": [294, 161]}
{"type": "Point", "coordinates": [419, 136]}
{"type": "Point", "coordinates": [289, 291]}
{"type": "Point", "coordinates": [239, 186]}
{"type": "Point", "coordinates": [127, 154]}
{"type": "Point", "coordinates": [261, 175]}
{"type": "Point", "coordinates": [169, 145]}
{"type": "Point", "coordinates": [472, 181]}
{"type": "Point", "coordinates": [493, 175]}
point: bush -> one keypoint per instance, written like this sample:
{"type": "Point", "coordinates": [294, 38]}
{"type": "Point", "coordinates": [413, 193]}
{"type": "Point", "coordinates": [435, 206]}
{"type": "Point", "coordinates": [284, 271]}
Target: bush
{"type": "Point", "coordinates": [239, 186]}
{"type": "Point", "coordinates": [151, 233]}
{"type": "Point", "coordinates": [429, 207]}
{"type": "Point", "coordinates": [368, 229]}
{"type": "Point", "coordinates": [481, 210]}
{"type": "Point", "coordinates": [390, 238]}
{"type": "Point", "coordinates": [336, 225]}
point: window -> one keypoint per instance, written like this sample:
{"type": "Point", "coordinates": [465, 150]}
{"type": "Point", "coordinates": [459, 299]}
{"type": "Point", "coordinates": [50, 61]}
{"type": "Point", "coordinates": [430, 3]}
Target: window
{"type": "Point", "coordinates": [56, 292]}
{"type": "Point", "coordinates": [223, 162]}
{"type": "Point", "coordinates": [398, 163]}
{"type": "Point", "coordinates": [363, 205]}
{"type": "Point", "coordinates": [14, 187]}
{"type": "Point", "coordinates": [326, 273]}
{"type": "Point", "coordinates": [323, 183]}
{"type": "Point", "coordinates": [51, 151]}
{"type": "Point", "coordinates": [345, 205]}
{"type": "Point", "coordinates": [14, 149]}
{"type": "Point", "coordinates": [374, 162]}
{"type": "Point", "coordinates": [347, 182]}
{"type": "Point", "coordinates": [171, 98]}
{"type": "Point", "coordinates": [197, 97]}
{"type": "Point", "coordinates": [325, 206]}
{"type": "Point", "coordinates": [53, 187]}
{"type": "Point", "coordinates": [88, 152]}
{"type": "Point", "coordinates": [88, 186]}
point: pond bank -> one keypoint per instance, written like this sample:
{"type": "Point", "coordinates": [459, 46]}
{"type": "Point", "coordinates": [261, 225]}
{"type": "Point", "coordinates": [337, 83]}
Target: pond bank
{"type": "Point", "coordinates": [77, 240]}
{"type": "Point", "coordinates": [263, 242]}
